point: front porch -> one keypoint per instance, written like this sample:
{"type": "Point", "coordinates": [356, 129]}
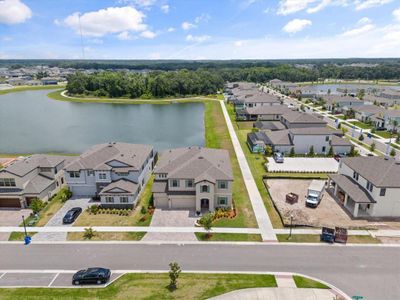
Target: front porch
{"type": "Point", "coordinates": [354, 198]}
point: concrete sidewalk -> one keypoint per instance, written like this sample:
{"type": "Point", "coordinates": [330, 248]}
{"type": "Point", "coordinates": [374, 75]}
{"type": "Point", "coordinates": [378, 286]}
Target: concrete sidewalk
{"type": "Point", "coordinates": [257, 202]}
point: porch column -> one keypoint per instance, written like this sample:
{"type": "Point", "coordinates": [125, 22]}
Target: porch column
{"type": "Point", "coordinates": [22, 201]}
{"type": "Point", "coordinates": [335, 190]}
{"type": "Point", "coordinates": [346, 197]}
{"type": "Point", "coordinates": [356, 206]}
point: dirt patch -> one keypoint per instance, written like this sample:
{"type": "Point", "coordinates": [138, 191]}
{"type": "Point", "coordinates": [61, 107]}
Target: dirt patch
{"type": "Point", "coordinates": [328, 213]}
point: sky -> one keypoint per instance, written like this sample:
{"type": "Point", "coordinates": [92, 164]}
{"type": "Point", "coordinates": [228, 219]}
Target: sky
{"type": "Point", "coordinates": [199, 29]}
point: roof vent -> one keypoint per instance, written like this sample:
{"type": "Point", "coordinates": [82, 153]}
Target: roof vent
{"type": "Point", "coordinates": [201, 157]}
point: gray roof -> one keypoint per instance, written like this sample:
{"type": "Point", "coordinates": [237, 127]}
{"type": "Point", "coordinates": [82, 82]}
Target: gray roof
{"type": "Point", "coordinates": [37, 184]}
{"type": "Point", "coordinates": [256, 137]}
{"type": "Point", "coordinates": [352, 188]}
{"type": "Point", "coordinates": [260, 98]}
{"type": "Point", "coordinates": [280, 137]}
{"type": "Point", "coordinates": [330, 99]}
{"type": "Point", "coordinates": [315, 131]}
{"type": "Point", "coordinates": [127, 187]}
{"type": "Point", "coordinates": [369, 109]}
{"type": "Point", "coordinates": [270, 125]}
{"type": "Point", "coordinates": [379, 171]}
{"type": "Point", "coordinates": [23, 166]}
{"type": "Point", "coordinates": [268, 110]}
{"type": "Point", "coordinates": [301, 117]}
{"type": "Point", "coordinates": [195, 163]}
{"type": "Point", "coordinates": [392, 113]}
{"type": "Point", "coordinates": [97, 157]}
{"type": "Point", "coordinates": [338, 141]}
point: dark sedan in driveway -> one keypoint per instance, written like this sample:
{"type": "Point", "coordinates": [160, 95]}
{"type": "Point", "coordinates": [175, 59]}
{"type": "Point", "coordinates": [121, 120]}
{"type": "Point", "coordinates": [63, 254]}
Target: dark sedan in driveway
{"type": "Point", "coordinates": [91, 276]}
{"type": "Point", "coordinates": [71, 215]}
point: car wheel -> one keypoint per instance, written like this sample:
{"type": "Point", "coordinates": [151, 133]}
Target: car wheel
{"type": "Point", "coordinates": [76, 282]}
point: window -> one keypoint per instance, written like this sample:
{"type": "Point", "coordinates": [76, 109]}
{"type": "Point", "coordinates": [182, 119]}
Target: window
{"type": "Point", "coordinates": [74, 174]}
{"type": "Point", "coordinates": [123, 199]}
{"type": "Point", "coordinates": [175, 183]}
{"type": "Point", "coordinates": [382, 192]}
{"type": "Point", "coordinates": [355, 175]}
{"type": "Point", "coordinates": [369, 186]}
{"type": "Point", "coordinates": [45, 169]}
{"type": "Point", "coordinates": [102, 176]}
{"type": "Point", "coordinates": [7, 182]}
{"type": "Point", "coordinates": [222, 185]}
{"type": "Point", "coordinates": [109, 199]}
{"type": "Point", "coordinates": [327, 138]}
{"type": "Point", "coordinates": [222, 201]}
{"type": "Point", "coordinates": [204, 188]}
{"type": "Point", "coordinates": [189, 183]}
{"type": "Point", "coordinates": [90, 172]}
{"type": "Point", "coordinates": [323, 149]}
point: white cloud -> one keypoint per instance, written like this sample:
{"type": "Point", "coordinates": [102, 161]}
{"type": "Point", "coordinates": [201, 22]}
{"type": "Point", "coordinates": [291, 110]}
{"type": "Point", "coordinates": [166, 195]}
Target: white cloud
{"type": "Point", "coordinates": [296, 25]}
{"type": "Point", "coordinates": [202, 18]}
{"type": "Point", "coordinates": [124, 36]}
{"type": "Point", "coordinates": [165, 8]}
{"type": "Point", "coordinates": [148, 34]}
{"type": "Point", "coordinates": [363, 25]}
{"type": "Point", "coordinates": [14, 12]}
{"type": "Point", "coordinates": [171, 29]}
{"type": "Point", "coordinates": [198, 38]}
{"type": "Point", "coordinates": [320, 6]}
{"type": "Point", "coordinates": [106, 21]}
{"type": "Point", "coordinates": [364, 4]}
{"type": "Point", "coordinates": [287, 7]}
{"type": "Point", "coordinates": [396, 14]}
{"type": "Point", "coordinates": [239, 43]}
{"type": "Point", "coordinates": [96, 41]}
{"type": "Point", "coordinates": [187, 25]}
{"type": "Point", "coordinates": [140, 3]}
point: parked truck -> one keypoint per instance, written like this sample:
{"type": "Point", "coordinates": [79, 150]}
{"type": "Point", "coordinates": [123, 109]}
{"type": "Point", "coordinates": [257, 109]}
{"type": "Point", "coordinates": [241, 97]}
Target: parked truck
{"type": "Point", "coordinates": [314, 193]}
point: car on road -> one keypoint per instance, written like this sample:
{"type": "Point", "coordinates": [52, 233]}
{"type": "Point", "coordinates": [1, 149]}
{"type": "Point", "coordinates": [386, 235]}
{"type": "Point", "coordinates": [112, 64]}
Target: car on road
{"type": "Point", "coordinates": [91, 276]}
{"type": "Point", "coordinates": [278, 157]}
{"type": "Point", "coordinates": [72, 215]}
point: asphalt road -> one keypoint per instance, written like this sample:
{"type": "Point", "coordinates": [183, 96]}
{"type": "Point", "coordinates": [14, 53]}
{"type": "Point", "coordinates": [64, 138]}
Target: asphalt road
{"type": "Point", "coordinates": [372, 272]}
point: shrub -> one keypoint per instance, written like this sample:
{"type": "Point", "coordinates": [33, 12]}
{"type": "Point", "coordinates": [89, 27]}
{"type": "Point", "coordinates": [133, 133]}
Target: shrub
{"type": "Point", "coordinates": [392, 152]}
{"type": "Point", "coordinates": [311, 152]}
{"type": "Point", "coordinates": [174, 272]}
{"type": "Point", "coordinates": [330, 152]}
{"type": "Point", "coordinates": [143, 210]}
{"type": "Point", "coordinates": [37, 205]}
{"type": "Point", "coordinates": [89, 233]}
{"type": "Point", "coordinates": [292, 153]}
{"type": "Point", "coordinates": [94, 209]}
{"type": "Point", "coordinates": [372, 147]}
{"type": "Point", "coordinates": [268, 150]}
{"type": "Point", "coordinates": [361, 137]}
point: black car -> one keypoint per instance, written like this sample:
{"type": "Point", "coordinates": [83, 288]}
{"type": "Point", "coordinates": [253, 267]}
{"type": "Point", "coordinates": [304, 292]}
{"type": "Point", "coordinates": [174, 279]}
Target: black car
{"type": "Point", "coordinates": [91, 275]}
{"type": "Point", "coordinates": [71, 215]}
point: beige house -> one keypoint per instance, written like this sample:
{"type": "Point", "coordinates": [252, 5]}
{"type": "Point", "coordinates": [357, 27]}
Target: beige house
{"type": "Point", "coordinates": [193, 178]}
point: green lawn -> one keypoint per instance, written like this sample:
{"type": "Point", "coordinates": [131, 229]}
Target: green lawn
{"type": "Point", "coordinates": [19, 236]}
{"type": "Point", "coordinates": [107, 236]}
{"type": "Point", "coordinates": [149, 286]}
{"type": "Point", "coordinates": [30, 88]}
{"type": "Point", "coordinates": [136, 218]}
{"type": "Point", "coordinates": [361, 124]}
{"type": "Point", "coordinates": [315, 238]}
{"type": "Point", "coordinates": [306, 283]}
{"type": "Point", "coordinates": [385, 134]}
{"type": "Point", "coordinates": [238, 237]}
{"type": "Point", "coordinates": [297, 175]}
{"type": "Point", "coordinates": [217, 136]}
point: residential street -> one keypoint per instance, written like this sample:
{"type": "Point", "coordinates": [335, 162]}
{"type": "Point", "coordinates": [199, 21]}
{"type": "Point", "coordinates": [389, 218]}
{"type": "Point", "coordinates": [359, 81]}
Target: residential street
{"type": "Point", "coordinates": [372, 272]}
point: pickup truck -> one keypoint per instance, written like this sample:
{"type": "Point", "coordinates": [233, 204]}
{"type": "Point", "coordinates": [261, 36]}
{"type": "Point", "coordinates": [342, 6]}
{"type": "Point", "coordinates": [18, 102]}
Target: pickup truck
{"type": "Point", "coordinates": [314, 193]}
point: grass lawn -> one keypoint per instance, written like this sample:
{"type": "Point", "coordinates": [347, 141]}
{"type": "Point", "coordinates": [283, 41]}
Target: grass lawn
{"type": "Point", "coordinates": [297, 175]}
{"type": "Point", "coordinates": [136, 218]}
{"type": "Point", "coordinates": [361, 124]}
{"type": "Point", "coordinates": [19, 236]}
{"type": "Point", "coordinates": [239, 237]}
{"type": "Point", "coordinates": [306, 283]}
{"type": "Point", "coordinates": [385, 134]}
{"type": "Point", "coordinates": [245, 125]}
{"type": "Point", "coordinates": [217, 136]}
{"type": "Point", "coordinates": [341, 117]}
{"type": "Point", "coordinates": [315, 238]}
{"type": "Point", "coordinates": [150, 286]}
{"type": "Point", "coordinates": [107, 236]}
{"type": "Point", "coordinates": [30, 88]}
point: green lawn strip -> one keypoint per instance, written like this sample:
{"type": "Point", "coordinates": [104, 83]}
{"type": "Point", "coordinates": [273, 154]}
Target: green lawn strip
{"type": "Point", "coordinates": [361, 124]}
{"type": "Point", "coordinates": [315, 238]}
{"type": "Point", "coordinates": [150, 286]}
{"type": "Point", "coordinates": [31, 88]}
{"type": "Point", "coordinates": [107, 236]}
{"type": "Point", "coordinates": [385, 134]}
{"type": "Point", "coordinates": [238, 237]}
{"type": "Point", "coordinates": [306, 283]}
{"type": "Point", "coordinates": [19, 236]}
{"type": "Point", "coordinates": [217, 136]}
{"type": "Point", "coordinates": [296, 175]}
{"type": "Point", "coordinates": [136, 218]}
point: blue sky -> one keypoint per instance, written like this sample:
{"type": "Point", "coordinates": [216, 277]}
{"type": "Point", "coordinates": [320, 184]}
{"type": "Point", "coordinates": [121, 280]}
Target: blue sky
{"type": "Point", "coordinates": [199, 29]}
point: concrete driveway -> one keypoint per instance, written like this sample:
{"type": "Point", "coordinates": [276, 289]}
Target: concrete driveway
{"type": "Point", "coordinates": [56, 220]}
{"type": "Point", "coordinates": [11, 217]}
{"type": "Point", "coordinates": [304, 165]}
{"type": "Point", "coordinates": [172, 218]}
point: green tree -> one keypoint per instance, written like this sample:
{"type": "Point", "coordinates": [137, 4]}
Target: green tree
{"type": "Point", "coordinates": [207, 221]}
{"type": "Point", "coordinates": [268, 150]}
{"type": "Point", "coordinates": [352, 151]}
{"type": "Point", "coordinates": [392, 152]}
{"type": "Point", "coordinates": [37, 205]}
{"type": "Point", "coordinates": [361, 137]}
{"type": "Point", "coordinates": [89, 233]}
{"type": "Point", "coordinates": [330, 152]}
{"type": "Point", "coordinates": [174, 272]}
{"type": "Point", "coordinates": [372, 147]}
{"type": "Point", "coordinates": [311, 152]}
{"type": "Point", "coordinates": [292, 153]}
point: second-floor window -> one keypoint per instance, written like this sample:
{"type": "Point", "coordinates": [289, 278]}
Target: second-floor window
{"type": "Point", "coordinates": [175, 183]}
{"type": "Point", "coordinates": [222, 184]}
{"type": "Point", "coordinates": [74, 174]}
{"type": "Point", "coordinates": [102, 176]}
{"type": "Point", "coordinates": [327, 139]}
{"type": "Point", "coordinates": [7, 182]}
{"type": "Point", "coordinates": [189, 183]}
{"type": "Point", "coordinates": [123, 199]}
{"type": "Point", "coordinates": [382, 192]}
{"type": "Point", "coordinates": [109, 199]}
{"type": "Point", "coordinates": [355, 175]}
{"type": "Point", "coordinates": [90, 173]}
{"type": "Point", "coordinates": [369, 186]}
{"type": "Point", "coordinates": [205, 189]}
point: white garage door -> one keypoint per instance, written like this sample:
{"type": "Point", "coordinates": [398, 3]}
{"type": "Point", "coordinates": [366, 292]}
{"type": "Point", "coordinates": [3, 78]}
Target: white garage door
{"type": "Point", "coordinates": [187, 203]}
{"type": "Point", "coordinates": [83, 190]}
{"type": "Point", "coordinates": [160, 202]}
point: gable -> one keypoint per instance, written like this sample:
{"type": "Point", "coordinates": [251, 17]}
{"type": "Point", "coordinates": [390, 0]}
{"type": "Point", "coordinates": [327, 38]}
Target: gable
{"type": "Point", "coordinates": [116, 163]}
{"type": "Point", "coordinates": [116, 190]}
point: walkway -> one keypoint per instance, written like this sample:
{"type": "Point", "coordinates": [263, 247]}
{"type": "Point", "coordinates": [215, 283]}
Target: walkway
{"type": "Point", "coordinates": [259, 209]}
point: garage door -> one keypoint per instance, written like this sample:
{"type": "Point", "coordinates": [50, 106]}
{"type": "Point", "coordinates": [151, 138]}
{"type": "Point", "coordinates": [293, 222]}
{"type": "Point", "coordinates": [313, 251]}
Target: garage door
{"type": "Point", "coordinates": [83, 190]}
{"type": "Point", "coordinates": [10, 202]}
{"type": "Point", "coordinates": [160, 202]}
{"type": "Point", "coordinates": [187, 203]}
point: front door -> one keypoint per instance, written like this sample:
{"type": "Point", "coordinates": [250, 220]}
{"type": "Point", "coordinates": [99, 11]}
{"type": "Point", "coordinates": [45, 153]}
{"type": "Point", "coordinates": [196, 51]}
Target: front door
{"type": "Point", "coordinates": [205, 204]}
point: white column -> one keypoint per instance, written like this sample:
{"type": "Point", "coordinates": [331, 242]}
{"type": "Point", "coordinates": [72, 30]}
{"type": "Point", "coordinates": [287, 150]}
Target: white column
{"type": "Point", "coordinates": [346, 197]}
{"type": "Point", "coordinates": [355, 213]}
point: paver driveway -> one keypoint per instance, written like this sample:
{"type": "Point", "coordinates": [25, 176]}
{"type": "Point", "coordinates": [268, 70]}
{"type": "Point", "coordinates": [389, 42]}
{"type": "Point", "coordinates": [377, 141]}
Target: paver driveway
{"type": "Point", "coordinates": [172, 218]}
{"type": "Point", "coordinates": [11, 217]}
{"type": "Point", "coordinates": [56, 220]}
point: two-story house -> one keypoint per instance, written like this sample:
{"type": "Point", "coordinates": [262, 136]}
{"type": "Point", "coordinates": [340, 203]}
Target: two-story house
{"type": "Point", "coordinates": [256, 99]}
{"type": "Point", "coordinates": [116, 172]}
{"type": "Point", "coordinates": [27, 178]}
{"type": "Point", "coordinates": [338, 104]}
{"type": "Point", "coordinates": [368, 186]}
{"type": "Point", "coordinates": [193, 178]}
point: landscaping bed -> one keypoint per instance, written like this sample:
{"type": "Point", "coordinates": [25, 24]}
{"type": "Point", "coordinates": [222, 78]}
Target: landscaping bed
{"type": "Point", "coordinates": [106, 236]}
{"type": "Point", "coordinates": [229, 237]}
{"type": "Point", "coordinates": [307, 283]}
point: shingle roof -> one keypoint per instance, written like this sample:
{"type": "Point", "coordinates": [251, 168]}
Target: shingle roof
{"type": "Point", "coordinates": [280, 137]}
{"type": "Point", "coordinates": [260, 98]}
{"type": "Point", "coordinates": [97, 157]}
{"type": "Point", "coordinates": [338, 99]}
{"type": "Point", "coordinates": [125, 185]}
{"type": "Point", "coordinates": [268, 110]}
{"type": "Point", "coordinates": [37, 184]}
{"type": "Point", "coordinates": [271, 125]}
{"type": "Point", "coordinates": [299, 117]}
{"type": "Point", "coordinates": [315, 131]}
{"type": "Point", "coordinates": [379, 171]}
{"type": "Point", "coordinates": [352, 188]}
{"type": "Point", "coordinates": [195, 163]}
{"type": "Point", "coordinates": [338, 141]}
{"type": "Point", "coordinates": [369, 109]}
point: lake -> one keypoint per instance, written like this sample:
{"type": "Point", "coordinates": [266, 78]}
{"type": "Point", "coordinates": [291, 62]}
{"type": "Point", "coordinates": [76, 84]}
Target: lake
{"type": "Point", "coordinates": [30, 122]}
